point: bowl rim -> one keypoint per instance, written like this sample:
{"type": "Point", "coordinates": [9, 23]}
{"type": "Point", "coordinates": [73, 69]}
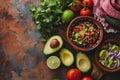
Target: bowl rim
{"type": "Point", "coordinates": [98, 41]}
{"type": "Point", "coordinates": [97, 52]}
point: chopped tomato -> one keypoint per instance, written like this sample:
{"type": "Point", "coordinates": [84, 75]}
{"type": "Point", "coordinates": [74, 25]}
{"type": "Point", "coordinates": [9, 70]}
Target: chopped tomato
{"type": "Point", "coordinates": [75, 30]}
{"type": "Point", "coordinates": [87, 34]}
{"type": "Point", "coordinates": [81, 36]}
{"type": "Point", "coordinates": [92, 25]}
{"type": "Point", "coordinates": [89, 31]}
{"type": "Point", "coordinates": [80, 27]}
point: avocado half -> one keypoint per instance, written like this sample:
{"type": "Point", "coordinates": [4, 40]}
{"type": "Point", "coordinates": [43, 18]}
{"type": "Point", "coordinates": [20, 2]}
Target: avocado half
{"type": "Point", "coordinates": [53, 44]}
{"type": "Point", "coordinates": [83, 62]}
{"type": "Point", "coordinates": [66, 57]}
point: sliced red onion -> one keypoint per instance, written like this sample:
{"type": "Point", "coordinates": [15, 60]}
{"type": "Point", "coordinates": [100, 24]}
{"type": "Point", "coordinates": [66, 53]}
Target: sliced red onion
{"type": "Point", "coordinates": [118, 54]}
{"type": "Point", "coordinates": [118, 57]}
{"type": "Point", "coordinates": [110, 52]}
{"type": "Point", "coordinates": [105, 61]}
{"type": "Point", "coordinates": [113, 67]}
{"type": "Point", "coordinates": [111, 57]}
{"type": "Point", "coordinates": [118, 62]}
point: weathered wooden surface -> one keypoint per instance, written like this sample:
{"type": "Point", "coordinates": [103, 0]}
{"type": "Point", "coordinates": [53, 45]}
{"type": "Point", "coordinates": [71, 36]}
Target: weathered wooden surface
{"type": "Point", "coordinates": [21, 55]}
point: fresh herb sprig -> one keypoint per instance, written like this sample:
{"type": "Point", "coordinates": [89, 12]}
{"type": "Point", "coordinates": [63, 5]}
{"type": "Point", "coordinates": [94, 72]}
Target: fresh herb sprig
{"type": "Point", "coordinates": [48, 16]}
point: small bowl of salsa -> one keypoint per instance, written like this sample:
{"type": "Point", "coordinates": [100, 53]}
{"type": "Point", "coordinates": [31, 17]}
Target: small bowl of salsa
{"type": "Point", "coordinates": [84, 33]}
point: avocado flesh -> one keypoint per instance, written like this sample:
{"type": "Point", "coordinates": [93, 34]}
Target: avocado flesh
{"type": "Point", "coordinates": [47, 50]}
{"type": "Point", "coordinates": [66, 57]}
{"type": "Point", "coordinates": [83, 62]}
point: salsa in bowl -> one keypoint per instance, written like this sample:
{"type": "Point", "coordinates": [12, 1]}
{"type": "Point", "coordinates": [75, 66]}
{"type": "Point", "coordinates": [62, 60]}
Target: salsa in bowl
{"type": "Point", "coordinates": [84, 33]}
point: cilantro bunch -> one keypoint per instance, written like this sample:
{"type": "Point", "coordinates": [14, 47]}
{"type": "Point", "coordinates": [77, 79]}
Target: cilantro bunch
{"type": "Point", "coordinates": [48, 16]}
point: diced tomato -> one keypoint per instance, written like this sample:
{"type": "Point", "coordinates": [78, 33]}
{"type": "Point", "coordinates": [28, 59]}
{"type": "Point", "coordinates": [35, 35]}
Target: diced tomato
{"type": "Point", "coordinates": [92, 33]}
{"type": "Point", "coordinates": [87, 34]}
{"type": "Point", "coordinates": [75, 30]}
{"type": "Point", "coordinates": [92, 25]}
{"type": "Point", "coordinates": [81, 36]}
{"type": "Point", "coordinates": [80, 27]}
{"type": "Point", "coordinates": [96, 36]}
{"type": "Point", "coordinates": [95, 31]}
{"type": "Point", "coordinates": [89, 31]}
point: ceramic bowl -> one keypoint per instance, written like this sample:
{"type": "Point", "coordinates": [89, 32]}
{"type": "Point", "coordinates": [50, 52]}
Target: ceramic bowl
{"type": "Point", "coordinates": [80, 43]}
{"type": "Point", "coordinates": [105, 62]}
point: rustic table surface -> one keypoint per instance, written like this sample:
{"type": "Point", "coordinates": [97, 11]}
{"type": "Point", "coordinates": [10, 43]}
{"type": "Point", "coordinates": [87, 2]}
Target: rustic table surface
{"type": "Point", "coordinates": [21, 56]}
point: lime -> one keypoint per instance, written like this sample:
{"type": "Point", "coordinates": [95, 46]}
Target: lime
{"type": "Point", "coordinates": [115, 47]}
{"type": "Point", "coordinates": [67, 15]}
{"type": "Point", "coordinates": [53, 62]}
{"type": "Point", "coordinates": [103, 53]}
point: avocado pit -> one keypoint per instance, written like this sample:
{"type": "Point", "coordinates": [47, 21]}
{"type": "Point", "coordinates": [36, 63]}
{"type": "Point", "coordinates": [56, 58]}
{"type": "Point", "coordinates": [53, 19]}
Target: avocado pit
{"type": "Point", "coordinates": [54, 43]}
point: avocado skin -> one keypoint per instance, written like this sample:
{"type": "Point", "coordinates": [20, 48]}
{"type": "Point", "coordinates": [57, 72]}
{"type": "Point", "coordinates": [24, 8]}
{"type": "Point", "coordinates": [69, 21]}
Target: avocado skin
{"type": "Point", "coordinates": [47, 50]}
{"type": "Point", "coordinates": [87, 62]}
{"type": "Point", "coordinates": [66, 57]}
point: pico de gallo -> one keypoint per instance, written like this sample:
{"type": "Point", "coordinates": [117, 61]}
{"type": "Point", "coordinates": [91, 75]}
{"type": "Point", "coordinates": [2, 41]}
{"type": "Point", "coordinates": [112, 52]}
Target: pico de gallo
{"type": "Point", "coordinates": [84, 33]}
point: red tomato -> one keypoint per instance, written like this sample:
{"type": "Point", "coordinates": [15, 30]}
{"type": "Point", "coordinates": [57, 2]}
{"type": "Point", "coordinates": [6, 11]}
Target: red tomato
{"type": "Point", "coordinates": [75, 5]}
{"type": "Point", "coordinates": [73, 74]}
{"type": "Point", "coordinates": [88, 3]}
{"type": "Point", "coordinates": [85, 12]}
{"type": "Point", "coordinates": [75, 30]}
{"type": "Point", "coordinates": [80, 27]}
{"type": "Point", "coordinates": [87, 78]}
{"type": "Point", "coordinates": [81, 36]}
{"type": "Point", "coordinates": [87, 34]}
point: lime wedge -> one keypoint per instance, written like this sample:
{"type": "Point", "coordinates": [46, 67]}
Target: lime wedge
{"type": "Point", "coordinates": [115, 47]}
{"type": "Point", "coordinates": [53, 62]}
{"type": "Point", "coordinates": [103, 53]}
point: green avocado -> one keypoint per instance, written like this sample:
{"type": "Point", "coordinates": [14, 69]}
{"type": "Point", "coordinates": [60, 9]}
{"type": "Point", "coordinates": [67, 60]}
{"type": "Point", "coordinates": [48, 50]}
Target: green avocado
{"type": "Point", "coordinates": [115, 47]}
{"type": "Point", "coordinates": [83, 62]}
{"type": "Point", "coordinates": [53, 44]}
{"type": "Point", "coordinates": [66, 57]}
